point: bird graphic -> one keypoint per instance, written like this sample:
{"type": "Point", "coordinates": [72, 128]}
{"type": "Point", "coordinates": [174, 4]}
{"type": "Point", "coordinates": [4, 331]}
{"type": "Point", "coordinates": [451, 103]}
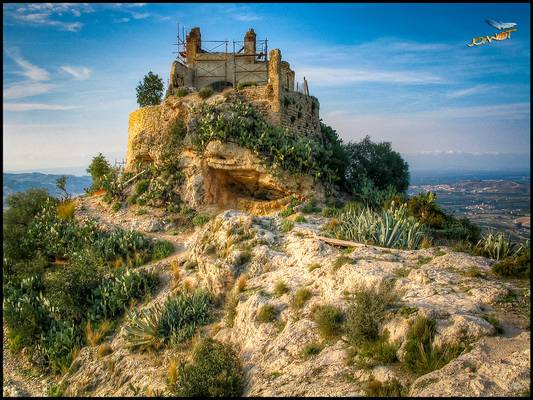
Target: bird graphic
{"type": "Point", "coordinates": [500, 25]}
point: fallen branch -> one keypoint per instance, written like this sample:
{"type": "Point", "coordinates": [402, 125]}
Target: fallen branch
{"type": "Point", "coordinates": [135, 177]}
{"type": "Point", "coordinates": [338, 242]}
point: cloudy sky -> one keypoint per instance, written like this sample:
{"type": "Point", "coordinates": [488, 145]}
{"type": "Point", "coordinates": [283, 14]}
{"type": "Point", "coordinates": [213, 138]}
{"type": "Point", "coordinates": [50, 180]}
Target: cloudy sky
{"type": "Point", "coordinates": [400, 73]}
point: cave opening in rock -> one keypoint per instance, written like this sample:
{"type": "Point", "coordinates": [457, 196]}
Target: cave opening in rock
{"type": "Point", "coordinates": [234, 188]}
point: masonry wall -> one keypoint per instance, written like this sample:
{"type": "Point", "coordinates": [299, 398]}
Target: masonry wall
{"type": "Point", "coordinates": [300, 113]}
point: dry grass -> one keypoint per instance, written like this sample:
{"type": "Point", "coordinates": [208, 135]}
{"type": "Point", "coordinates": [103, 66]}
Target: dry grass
{"type": "Point", "coordinates": [172, 372]}
{"type": "Point", "coordinates": [176, 273]}
{"type": "Point", "coordinates": [104, 349]}
{"type": "Point", "coordinates": [65, 209]}
{"type": "Point", "coordinates": [94, 336]}
{"type": "Point", "coordinates": [241, 283]}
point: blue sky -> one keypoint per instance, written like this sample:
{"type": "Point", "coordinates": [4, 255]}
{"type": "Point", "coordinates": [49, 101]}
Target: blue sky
{"type": "Point", "coordinates": [397, 72]}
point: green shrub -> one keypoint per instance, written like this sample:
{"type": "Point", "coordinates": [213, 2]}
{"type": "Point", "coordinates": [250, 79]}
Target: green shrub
{"type": "Point", "coordinates": [286, 225]}
{"type": "Point", "coordinates": [116, 206]}
{"type": "Point", "coordinates": [183, 314]}
{"type": "Point", "coordinates": [141, 187]}
{"type": "Point", "coordinates": [366, 312]}
{"type": "Point", "coordinates": [182, 92]}
{"type": "Point", "coordinates": [300, 298]}
{"type": "Point", "coordinates": [200, 219]}
{"type": "Point", "coordinates": [495, 246]}
{"type": "Point", "coordinates": [421, 357]}
{"type": "Point", "coordinates": [142, 329]}
{"type": "Point", "coordinates": [494, 322]}
{"type": "Point", "coordinates": [267, 313]}
{"type": "Point", "coordinates": [425, 209]}
{"type": "Point", "coordinates": [310, 207]}
{"type": "Point", "coordinates": [230, 308]}
{"type": "Point", "coordinates": [300, 218]}
{"type": "Point", "coordinates": [311, 349]}
{"type": "Point", "coordinates": [376, 352]}
{"type": "Point", "coordinates": [150, 90]}
{"type": "Point", "coordinates": [391, 228]}
{"type": "Point", "coordinates": [424, 260]}
{"type": "Point", "coordinates": [289, 210]}
{"type": "Point", "coordinates": [341, 260]}
{"type": "Point", "coordinates": [215, 371]}
{"type": "Point", "coordinates": [205, 92]}
{"type": "Point", "coordinates": [100, 171]}
{"type": "Point", "coordinates": [376, 162]}
{"type": "Point", "coordinates": [312, 267]}
{"type": "Point", "coordinates": [280, 289]}
{"type": "Point", "coordinates": [162, 249]}
{"type": "Point", "coordinates": [329, 320]}
{"type": "Point", "coordinates": [514, 266]}
{"type": "Point", "coordinates": [58, 344]}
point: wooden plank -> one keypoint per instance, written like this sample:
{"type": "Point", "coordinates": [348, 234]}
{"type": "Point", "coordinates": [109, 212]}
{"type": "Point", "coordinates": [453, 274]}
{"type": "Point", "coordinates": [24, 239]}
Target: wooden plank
{"type": "Point", "coordinates": [135, 177]}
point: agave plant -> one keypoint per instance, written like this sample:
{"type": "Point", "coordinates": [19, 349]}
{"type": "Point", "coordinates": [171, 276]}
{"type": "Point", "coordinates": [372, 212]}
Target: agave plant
{"type": "Point", "coordinates": [496, 246]}
{"type": "Point", "coordinates": [142, 330]}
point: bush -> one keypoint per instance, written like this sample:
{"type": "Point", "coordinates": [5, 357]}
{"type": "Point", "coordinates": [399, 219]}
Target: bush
{"type": "Point", "coordinates": [421, 357]}
{"type": "Point", "coordinates": [376, 352]}
{"type": "Point", "coordinates": [100, 170]}
{"type": "Point", "coordinates": [182, 92]}
{"type": "Point", "coordinates": [299, 218]}
{"type": "Point", "coordinates": [116, 206]}
{"type": "Point", "coordinates": [311, 349]}
{"type": "Point", "coordinates": [162, 249]}
{"type": "Point", "coordinates": [205, 93]}
{"type": "Point", "coordinates": [183, 314]}
{"type": "Point", "coordinates": [286, 225]}
{"type": "Point", "coordinates": [391, 228]}
{"type": "Point", "coordinates": [280, 289]}
{"type": "Point", "coordinates": [243, 85]}
{"type": "Point", "coordinates": [329, 320]}
{"type": "Point", "coordinates": [200, 219]}
{"type": "Point", "coordinates": [66, 209]}
{"type": "Point", "coordinates": [230, 308]}
{"type": "Point", "coordinates": [515, 266]}
{"type": "Point", "coordinates": [215, 370]}
{"type": "Point", "coordinates": [300, 298]}
{"type": "Point", "coordinates": [392, 388]}
{"type": "Point", "coordinates": [57, 345]}
{"type": "Point", "coordinates": [376, 162]}
{"type": "Point", "coordinates": [425, 209]}
{"type": "Point", "coordinates": [366, 312]}
{"type": "Point", "coordinates": [150, 90]}
{"type": "Point", "coordinates": [495, 246]}
{"type": "Point", "coordinates": [267, 313]}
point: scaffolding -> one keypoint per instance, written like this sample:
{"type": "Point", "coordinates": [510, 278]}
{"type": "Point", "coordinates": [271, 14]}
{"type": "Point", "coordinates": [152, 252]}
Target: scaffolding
{"type": "Point", "coordinates": [232, 73]}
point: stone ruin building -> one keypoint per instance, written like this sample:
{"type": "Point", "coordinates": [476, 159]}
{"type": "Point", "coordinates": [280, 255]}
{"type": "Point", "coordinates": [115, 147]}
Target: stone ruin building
{"type": "Point", "coordinates": [227, 175]}
{"type": "Point", "coordinates": [273, 91]}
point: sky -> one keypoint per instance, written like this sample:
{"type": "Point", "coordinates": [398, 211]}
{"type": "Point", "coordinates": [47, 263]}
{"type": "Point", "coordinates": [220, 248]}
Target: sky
{"type": "Point", "coordinates": [401, 73]}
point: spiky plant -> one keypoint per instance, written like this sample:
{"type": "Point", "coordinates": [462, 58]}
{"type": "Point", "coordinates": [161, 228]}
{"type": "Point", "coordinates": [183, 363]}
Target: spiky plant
{"type": "Point", "coordinates": [142, 331]}
{"type": "Point", "coordinates": [496, 246]}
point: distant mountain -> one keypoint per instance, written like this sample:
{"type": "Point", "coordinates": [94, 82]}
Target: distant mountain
{"type": "Point", "coordinates": [13, 183]}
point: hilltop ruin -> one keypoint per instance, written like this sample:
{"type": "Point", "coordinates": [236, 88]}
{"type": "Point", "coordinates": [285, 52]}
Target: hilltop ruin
{"type": "Point", "coordinates": [228, 175]}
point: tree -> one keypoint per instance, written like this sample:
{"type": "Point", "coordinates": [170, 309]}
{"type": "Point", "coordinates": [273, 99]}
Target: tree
{"type": "Point", "coordinates": [377, 162]}
{"type": "Point", "coordinates": [336, 158]}
{"type": "Point", "coordinates": [98, 169]}
{"type": "Point", "coordinates": [150, 90]}
{"type": "Point", "coordinates": [61, 184]}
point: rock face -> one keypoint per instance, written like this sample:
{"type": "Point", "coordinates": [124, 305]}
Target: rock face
{"type": "Point", "coordinates": [236, 244]}
{"type": "Point", "coordinates": [225, 175]}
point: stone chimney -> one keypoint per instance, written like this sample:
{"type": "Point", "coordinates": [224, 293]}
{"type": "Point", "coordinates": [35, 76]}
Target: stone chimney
{"type": "Point", "coordinates": [249, 46]}
{"type": "Point", "coordinates": [193, 44]}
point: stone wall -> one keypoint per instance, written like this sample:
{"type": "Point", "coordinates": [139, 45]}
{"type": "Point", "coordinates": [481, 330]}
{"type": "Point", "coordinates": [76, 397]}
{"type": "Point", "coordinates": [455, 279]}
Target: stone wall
{"type": "Point", "coordinates": [300, 113]}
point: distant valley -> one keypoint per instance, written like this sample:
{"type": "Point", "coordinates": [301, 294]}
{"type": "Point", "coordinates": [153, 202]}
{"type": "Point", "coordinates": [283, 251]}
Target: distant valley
{"type": "Point", "coordinates": [13, 183]}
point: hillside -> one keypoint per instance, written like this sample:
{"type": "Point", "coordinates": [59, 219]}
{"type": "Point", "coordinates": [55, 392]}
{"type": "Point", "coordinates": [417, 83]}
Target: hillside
{"type": "Point", "coordinates": [13, 183]}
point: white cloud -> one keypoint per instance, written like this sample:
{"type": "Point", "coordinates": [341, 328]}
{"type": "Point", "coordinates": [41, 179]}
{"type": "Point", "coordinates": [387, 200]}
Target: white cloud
{"type": "Point", "coordinates": [455, 94]}
{"type": "Point", "coordinates": [79, 73]}
{"type": "Point", "coordinates": [121, 20]}
{"type": "Point", "coordinates": [29, 70]}
{"type": "Point", "coordinates": [36, 106]}
{"type": "Point", "coordinates": [45, 14]}
{"type": "Point", "coordinates": [27, 89]}
{"type": "Point", "coordinates": [136, 15]}
{"type": "Point", "coordinates": [331, 76]}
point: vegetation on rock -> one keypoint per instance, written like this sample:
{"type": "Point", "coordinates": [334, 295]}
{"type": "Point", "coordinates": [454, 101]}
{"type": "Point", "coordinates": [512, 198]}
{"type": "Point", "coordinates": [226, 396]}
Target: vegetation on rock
{"type": "Point", "coordinates": [150, 90]}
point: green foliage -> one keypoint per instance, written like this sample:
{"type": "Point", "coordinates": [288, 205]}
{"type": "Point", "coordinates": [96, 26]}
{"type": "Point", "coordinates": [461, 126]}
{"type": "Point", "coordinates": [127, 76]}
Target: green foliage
{"type": "Point", "coordinates": [286, 225]}
{"type": "Point", "coordinates": [375, 352]}
{"type": "Point", "coordinates": [100, 171]}
{"type": "Point", "coordinates": [366, 312]}
{"type": "Point", "coordinates": [150, 90]}
{"type": "Point", "coordinates": [289, 210]}
{"type": "Point", "coordinates": [215, 371]}
{"type": "Point", "coordinates": [183, 314]}
{"type": "Point", "coordinates": [425, 209]}
{"type": "Point", "coordinates": [300, 218]}
{"type": "Point", "coordinates": [390, 228]}
{"type": "Point", "coordinates": [240, 123]}
{"type": "Point", "coordinates": [495, 246]}
{"type": "Point", "coordinates": [162, 249]}
{"type": "Point", "coordinates": [376, 162]}
{"type": "Point", "coordinates": [57, 344]}
{"type": "Point", "coordinates": [310, 207]}
{"type": "Point", "coordinates": [182, 92]}
{"type": "Point", "coordinates": [200, 219]}
{"type": "Point", "coordinates": [300, 298]}
{"type": "Point", "coordinates": [205, 92]}
{"type": "Point", "coordinates": [280, 289]}
{"type": "Point", "coordinates": [375, 198]}
{"type": "Point", "coordinates": [176, 321]}
{"type": "Point", "coordinates": [61, 184]}
{"type": "Point", "coordinates": [329, 320]}
{"type": "Point", "coordinates": [116, 206]}
{"type": "Point", "coordinates": [230, 308]}
{"type": "Point", "coordinates": [311, 349]}
{"type": "Point", "coordinates": [266, 313]}
{"type": "Point", "coordinates": [421, 357]}
{"type": "Point", "coordinates": [518, 266]}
